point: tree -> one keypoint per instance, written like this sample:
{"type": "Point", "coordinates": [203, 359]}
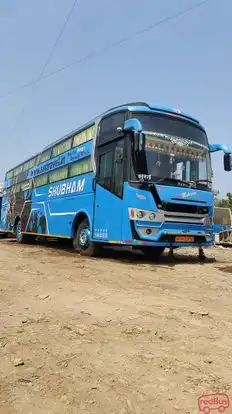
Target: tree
{"type": "Point", "coordinates": [224, 202]}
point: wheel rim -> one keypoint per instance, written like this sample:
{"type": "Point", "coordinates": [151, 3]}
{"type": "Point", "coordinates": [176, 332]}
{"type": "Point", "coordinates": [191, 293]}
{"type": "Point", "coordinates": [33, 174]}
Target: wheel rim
{"type": "Point", "coordinates": [18, 231]}
{"type": "Point", "coordinates": [84, 238]}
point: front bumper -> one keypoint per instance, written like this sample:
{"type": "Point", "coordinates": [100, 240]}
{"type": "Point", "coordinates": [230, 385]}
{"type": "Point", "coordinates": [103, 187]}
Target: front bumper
{"type": "Point", "coordinates": [169, 234]}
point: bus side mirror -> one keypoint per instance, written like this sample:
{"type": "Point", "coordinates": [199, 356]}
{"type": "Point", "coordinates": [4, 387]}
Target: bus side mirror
{"type": "Point", "coordinates": [228, 162]}
{"type": "Point", "coordinates": [132, 125]}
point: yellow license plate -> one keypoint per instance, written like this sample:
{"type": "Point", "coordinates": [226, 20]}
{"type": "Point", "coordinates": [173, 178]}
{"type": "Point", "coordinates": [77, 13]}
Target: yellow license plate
{"type": "Point", "coordinates": [184, 239]}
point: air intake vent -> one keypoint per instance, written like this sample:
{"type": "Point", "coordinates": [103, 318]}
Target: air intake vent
{"type": "Point", "coordinates": [184, 208]}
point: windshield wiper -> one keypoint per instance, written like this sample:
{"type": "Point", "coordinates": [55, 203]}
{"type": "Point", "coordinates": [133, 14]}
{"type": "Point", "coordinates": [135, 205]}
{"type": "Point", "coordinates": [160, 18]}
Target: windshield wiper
{"type": "Point", "coordinates": [141, 182]}
{"type": "Point", "coordinates": [176, 180]}
{"type": "Point", "coordinates": [189, 183]}
{"type": "Point", "coordinates": [201, 181]}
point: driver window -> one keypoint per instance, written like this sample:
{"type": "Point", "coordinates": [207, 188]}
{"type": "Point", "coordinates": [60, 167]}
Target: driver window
{"type": "Point", "coordinates": [111, 168]}
{"type": "Point", "coordinates": [105, 169]}
{"type": "Point", "coordinates": [108, 127]}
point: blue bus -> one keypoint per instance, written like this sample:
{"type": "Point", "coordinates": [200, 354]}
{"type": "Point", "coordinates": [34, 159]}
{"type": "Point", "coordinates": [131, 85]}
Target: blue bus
{"type": "Point", "coordinates": [138, 175]}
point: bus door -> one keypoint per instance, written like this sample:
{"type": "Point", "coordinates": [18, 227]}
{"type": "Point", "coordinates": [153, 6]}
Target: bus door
{"type": "Point", "coordinates": [107, 223]}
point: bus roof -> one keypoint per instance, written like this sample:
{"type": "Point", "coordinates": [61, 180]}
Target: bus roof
{"type": "Point", "coordinates": [130, 106]}
{"type": "Point", "coordinates": [143, 106]}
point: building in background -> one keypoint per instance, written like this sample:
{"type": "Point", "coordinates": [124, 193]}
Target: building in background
{"type": "Point", "coordinates": [222, 224]}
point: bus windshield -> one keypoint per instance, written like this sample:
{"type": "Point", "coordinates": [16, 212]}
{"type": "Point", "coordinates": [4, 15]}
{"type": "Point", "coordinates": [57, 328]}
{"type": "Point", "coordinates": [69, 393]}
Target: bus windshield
{"type": "Point", "coordinates": [174, 151]}
{"type": "Point", "coordinates": [172, 126]}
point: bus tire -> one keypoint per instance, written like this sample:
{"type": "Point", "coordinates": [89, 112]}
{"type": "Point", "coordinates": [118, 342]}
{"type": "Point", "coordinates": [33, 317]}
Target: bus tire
{"type": "Point", "coordinates": [152, 252]}
{"type": "Point", "coordinates": [20, 237]}
{"type": "Point", "coordinates": [82, 243]}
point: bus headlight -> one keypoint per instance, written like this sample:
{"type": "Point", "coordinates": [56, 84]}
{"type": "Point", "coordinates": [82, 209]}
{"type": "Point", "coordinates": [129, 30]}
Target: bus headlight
{"type": "Point", "coordinates": [145, 215]}
{"type": "Point", "coordinates": [152, 216]}
{"type": "Point", "coordinates": [140, 214]}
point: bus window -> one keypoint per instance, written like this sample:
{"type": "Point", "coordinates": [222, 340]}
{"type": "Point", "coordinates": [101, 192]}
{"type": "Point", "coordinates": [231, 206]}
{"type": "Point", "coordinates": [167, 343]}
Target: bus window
{"type": "Point", "coordinates": [9, 175]}
{"type": "Point", "coordinates": [108, 127]}
{"type": "Point", "coordinates": [26, 185]}
{"type": "Point", "coordinates": [58, 175]}
{"type": "Point", "coordinates": [80, 167]}
{"type": "Point", "coordinates": [84, 136]}
{"type": "Point", "coordinates": [29, 164]}
{"type": "Point", "coordinates": [61, 147]}
{"type": "Point", "coordinates": [41, 180]}
{"type": "Point", "coordinates": [105, 169]}
{"type": "Point", "coordinates": [45, 156]}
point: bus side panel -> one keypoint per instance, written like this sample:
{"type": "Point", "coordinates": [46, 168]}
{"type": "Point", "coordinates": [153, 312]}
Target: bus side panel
{"type": "Point", "coordinates": [35, 221]}
{"type": "Point", "coordinates": [134, 198]}
{"type": "Point", "coordinates": [8, 212]}
{"type": "Point", "coordinates": [55, 206]}
{"type": "Point", "coordinates": [61, 213]}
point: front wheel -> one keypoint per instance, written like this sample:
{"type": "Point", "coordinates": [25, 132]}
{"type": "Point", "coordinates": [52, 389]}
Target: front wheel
{"type": "Point", "coordinates": [82, 243]}
{"type": "Point", "coordinates": [20, 237]}
{"type": "Point", "coordinates": [152, 252]}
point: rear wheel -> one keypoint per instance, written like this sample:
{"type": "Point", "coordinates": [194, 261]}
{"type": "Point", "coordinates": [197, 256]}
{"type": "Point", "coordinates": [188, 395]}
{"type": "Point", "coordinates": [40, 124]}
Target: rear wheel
{"type": "Point", "coordinates": [152, 252]}
{"type": "Point", "coordinates": [20, 237]}
{"type": "Point", "coordinates": [82, 243]}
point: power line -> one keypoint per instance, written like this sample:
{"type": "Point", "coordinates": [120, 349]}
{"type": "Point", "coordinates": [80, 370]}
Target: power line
{"type": "Point", "coordinates": [46, 63]}
{"type": "Point", "coordinates": [107, 48]}
{"type": "Point", "coordinates": [60, 34]}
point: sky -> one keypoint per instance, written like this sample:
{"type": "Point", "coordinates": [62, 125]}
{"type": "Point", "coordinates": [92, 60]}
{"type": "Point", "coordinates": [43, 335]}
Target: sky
{"type": "Point", "coordinates": [184, 63]}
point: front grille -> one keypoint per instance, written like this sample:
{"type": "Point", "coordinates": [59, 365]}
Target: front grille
{"type": "Point", "coordinates": [186, 218]}
{"type": "Point", "coordinates": [184, 208]}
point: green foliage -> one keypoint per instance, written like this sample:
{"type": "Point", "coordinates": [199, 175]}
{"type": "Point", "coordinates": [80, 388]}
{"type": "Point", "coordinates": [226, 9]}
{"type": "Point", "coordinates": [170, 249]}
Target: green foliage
{"type": "Point", "coordinates": [224, 202]}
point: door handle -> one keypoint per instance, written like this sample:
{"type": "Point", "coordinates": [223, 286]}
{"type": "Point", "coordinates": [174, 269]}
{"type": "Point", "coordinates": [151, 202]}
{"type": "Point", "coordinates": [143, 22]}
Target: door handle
{"type": "Point", "coordinates": [94, 184]}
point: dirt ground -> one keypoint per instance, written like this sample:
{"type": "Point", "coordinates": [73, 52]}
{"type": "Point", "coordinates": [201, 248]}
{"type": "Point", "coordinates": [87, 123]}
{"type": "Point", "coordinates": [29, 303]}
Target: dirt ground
{"type": "Point", "coordinates": [112, 335]}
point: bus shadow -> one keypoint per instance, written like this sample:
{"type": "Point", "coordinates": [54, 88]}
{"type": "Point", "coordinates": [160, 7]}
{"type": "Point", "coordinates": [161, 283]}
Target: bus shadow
{"type": "Point", "coordinates": [129, 256]}
{"type": "Point", "coordinates": [123, 254]}
{"type": "Point", "coordinates": [134, 256]}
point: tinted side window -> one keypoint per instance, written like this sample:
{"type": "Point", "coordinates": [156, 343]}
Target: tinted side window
{"type": "Point", "coordinates": [58, 175]}
{"type": "Point", "coordinates": [41, 180]}
{"type": "Point", "coordinates": [45, 156]}
{"type": "Point", "coordinates": [108, 127]}
{"type": "Point", "coordinates": [62, 147]}
{"type": "Point", "coordinates": [80, 167]}
{"type": "Point", "coordinates": [105, 169]}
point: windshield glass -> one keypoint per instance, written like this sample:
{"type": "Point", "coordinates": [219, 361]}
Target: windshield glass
{"type": "Point", "coordinates": [168, 157]}
{"type": "Point", "coordinates": [172, 126]}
